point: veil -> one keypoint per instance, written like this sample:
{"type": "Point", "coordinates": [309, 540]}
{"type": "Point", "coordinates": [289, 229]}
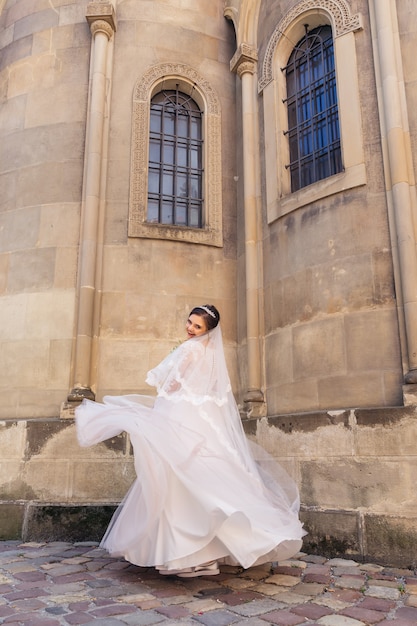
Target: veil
{"type": "Point", "coordinates": [196, 372]}
{"type": "Point", "coordinates": [204, 490]}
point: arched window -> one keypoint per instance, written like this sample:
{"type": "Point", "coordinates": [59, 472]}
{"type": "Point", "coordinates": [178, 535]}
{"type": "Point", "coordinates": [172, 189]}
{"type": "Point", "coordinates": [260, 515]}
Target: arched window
{"type": "Point", "coordinates": [333, 26]}
{"type": "Point", "coordinates": [313, 120]}
{"type": "Point", "coordinates": [175, 173]}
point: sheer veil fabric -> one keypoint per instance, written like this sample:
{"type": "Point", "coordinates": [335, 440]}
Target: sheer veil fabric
{"type": "Point", "coordinates": [203, 491]}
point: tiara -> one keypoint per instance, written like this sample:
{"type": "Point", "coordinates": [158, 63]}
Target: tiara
{"type": "Point", "coordinates": [207, 310]}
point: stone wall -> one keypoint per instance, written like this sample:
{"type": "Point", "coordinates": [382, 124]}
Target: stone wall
{"type": "Point", "coordinates": [332, 317]}
{"type": "Point", "coordinates": [142, 288]}
{"type": "Point", "coordinates": [355, 470]}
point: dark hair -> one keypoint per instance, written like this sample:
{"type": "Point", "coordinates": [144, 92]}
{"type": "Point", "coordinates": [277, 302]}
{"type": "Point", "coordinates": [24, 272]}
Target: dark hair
{"type": "Point", "coordinates": [211, 319]}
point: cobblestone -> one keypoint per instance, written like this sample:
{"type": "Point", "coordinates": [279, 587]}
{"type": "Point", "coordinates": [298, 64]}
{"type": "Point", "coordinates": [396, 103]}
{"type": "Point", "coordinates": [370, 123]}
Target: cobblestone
{"type": "Point", "coordinates": [67, 584]}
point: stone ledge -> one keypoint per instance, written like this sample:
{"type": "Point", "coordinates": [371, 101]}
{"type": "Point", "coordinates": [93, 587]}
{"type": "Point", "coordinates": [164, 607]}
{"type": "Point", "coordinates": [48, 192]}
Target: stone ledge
{"type": "Point", "coordinates": [309, 422]}
{"type": "Point", "coordinates": [380, 538]}
{"type": "Point", "coordinates": [35, 521]}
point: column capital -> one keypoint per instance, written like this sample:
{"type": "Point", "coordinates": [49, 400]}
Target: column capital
{"type": "Point", "coordinates": [100, 26]}
{"type": "Point", "coordinates": [244, 60]}
{"type": "Point", "coordinates": [101, 11]}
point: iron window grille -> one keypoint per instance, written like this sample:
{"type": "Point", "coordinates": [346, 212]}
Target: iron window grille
{"type": "Point", "coordinates": [313, 118]}
{"type": "Point", "coordinates": [175, 176]}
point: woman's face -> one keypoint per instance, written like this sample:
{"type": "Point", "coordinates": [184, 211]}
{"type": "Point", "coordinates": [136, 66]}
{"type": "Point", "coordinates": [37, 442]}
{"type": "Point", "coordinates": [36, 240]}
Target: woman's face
{"type": "Point", "coordinates": [196, 325]}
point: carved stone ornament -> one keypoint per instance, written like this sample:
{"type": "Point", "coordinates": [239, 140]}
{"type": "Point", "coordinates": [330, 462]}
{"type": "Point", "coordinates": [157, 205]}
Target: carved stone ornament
{"type": "Point", "coordinates": [100, 26]}
{"type": "Point", "coordinates": [101, 10]}
{"type": "Point", "coordinates": [244, 60]}
{"type": "Point", "coordinates": [342, 22]}
{"type": "Point", "coordinates": [211, 233]}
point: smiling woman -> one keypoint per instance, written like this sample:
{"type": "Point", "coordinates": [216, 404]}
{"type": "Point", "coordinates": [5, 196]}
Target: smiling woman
{"type": "Point", "coordinates": [202, 319]}
{"type": "Point", "coordinates": [204, 494]}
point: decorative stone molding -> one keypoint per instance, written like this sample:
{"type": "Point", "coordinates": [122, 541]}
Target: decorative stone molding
{"type": "Point", "coordinates": [187, 78]}
{"type": "Point", "coordinates": [170, 70]}
{"type": "Point", "coordinates": [101, 10]}
{"type": "Point", "coordinates": [100, 26]}
{"type": "Point", "coordinates": [244, 60]}
{"type": "Point", "coordinates": [280, 199]}
{"type": "Point", "coordinates": [342, 21]}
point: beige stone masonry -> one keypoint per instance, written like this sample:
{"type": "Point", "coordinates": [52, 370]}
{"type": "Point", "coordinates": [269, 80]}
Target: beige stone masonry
{"type": "Point", "coordinates": [399, 175]}
{"type": "Point", "coordinates": [100, 16]}
{"type": "Point", "coordinates": [244, 64]}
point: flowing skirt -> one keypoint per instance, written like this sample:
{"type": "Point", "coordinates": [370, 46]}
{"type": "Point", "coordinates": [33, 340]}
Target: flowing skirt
{"type": "Point", "coordinates": [196, 497]}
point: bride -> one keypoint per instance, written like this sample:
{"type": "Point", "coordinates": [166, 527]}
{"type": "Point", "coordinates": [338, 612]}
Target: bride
{"type": "Point", "coordinates": [204, 494]}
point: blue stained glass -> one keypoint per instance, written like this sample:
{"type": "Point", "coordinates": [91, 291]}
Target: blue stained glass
{"type": "Point", "coordinates": [175, 175]}
{"type": "Point", "coordinates": [313, 122]}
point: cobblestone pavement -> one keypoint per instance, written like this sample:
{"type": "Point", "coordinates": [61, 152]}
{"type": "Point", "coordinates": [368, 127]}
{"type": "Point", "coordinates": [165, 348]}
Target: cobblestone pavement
{"type": "Point", "coordinates": [54, 584]}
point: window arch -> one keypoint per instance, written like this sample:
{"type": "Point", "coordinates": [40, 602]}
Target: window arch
{"type": "Point", "coordinates": [334, 15]}
{"type": "Point", "coordinates": [313, 119]}
{"type": "Point", "coordinates": [175, 174]}
{"type": "Point", "coordinates": [193, 213]}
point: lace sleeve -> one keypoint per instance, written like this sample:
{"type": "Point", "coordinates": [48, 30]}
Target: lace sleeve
{"type": "Point", "coordinates": [170, 376]}
{"type": "Point", "coordinates": [189, 373]}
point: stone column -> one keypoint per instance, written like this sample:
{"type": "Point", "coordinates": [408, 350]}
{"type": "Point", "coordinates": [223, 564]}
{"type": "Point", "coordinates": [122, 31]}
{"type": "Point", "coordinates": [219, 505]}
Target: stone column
{"type": "Point", "coordinates": [244, 64]}
{"type": "Point", "coordinates": [100, 15]}
{"type": "Point", "coordinates": [399, 177]}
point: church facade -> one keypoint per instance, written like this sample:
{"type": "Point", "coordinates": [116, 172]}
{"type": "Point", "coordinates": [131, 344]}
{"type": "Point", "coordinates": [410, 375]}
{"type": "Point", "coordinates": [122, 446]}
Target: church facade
{"type": "Point", "coordinates": [259, 155]}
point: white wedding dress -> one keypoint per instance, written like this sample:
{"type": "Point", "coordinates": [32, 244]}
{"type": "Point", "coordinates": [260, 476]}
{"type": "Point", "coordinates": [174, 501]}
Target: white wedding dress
{"type": "Point", "coordinates": [203, 492]}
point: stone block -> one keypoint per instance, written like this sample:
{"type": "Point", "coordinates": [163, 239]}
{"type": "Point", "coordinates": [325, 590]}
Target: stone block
{"type": "Point", "coordinates": [343, 284]}
{"type": "Point", "coordinates": [38, 401]}
{"type": "Point", "coordinates": [387, 438]}
{"type": "Point", "coordinates": [19, 230]}
{"type": "Point", "coordinates": [12, 318]}
{"type": "Point", "coordinates": [314, 355]}
{"type": "Point", "coordinates": [20, 49]}
{"type": "Point", "coordinates": [66, 523]}
{"type": "Point", "coordinates": [112, 479]}
{"type": "Point", "coordinates": [39, 70]}
{"type": "Point", "coordinates": [393, 388]}
{"type": "Point", "coordinates": [121, 265]}
{"type": "Point", "coordinates": [11, 521]}
{"type": "Point", "coordinates": [40, 433]}
{"type": "Point", "coordinates": [274, 307]}
{"type": "Point", "coordinates": [331, 533]}
{"type": "Point", "coordinates": [48, 486]}
{"type": "Point", "coordinates": [12, 440]}
{"type": "Point", "coordinates": [50, 315]}
{"type": "Point", "coordinates": [115, 224]}
{"type": "Point", "coordinates": [59, 225]}
{"type": "Point", "coordinates": [371, 343]}
{"type": "Point", "coordinates": [344, 483]}
{"type": "Point", "coordinates": [70, 14]}
{"type": "Point", "coordinates": [297, 294]}
{"type": "Point", "coordinates": [298, 396]}
{"type": "Point", "coordinates": [6, 36]}
{"type": "Point", "coordinates": [392, 539]}
{"type": "Point", "coordinates": [8, 196]}
{"type": "Point", "coordinates": [4, 268]}
{"type": "Point", "coordinates": [31, 270]}
{"type": "Point", "coordinates": [46, 105]}
{"type": "Point", "coordinates": [12, 113]}
{"type": "Point", "coordinates": [66, 268]}
{"type": "Point", "coordinates": [13, 487]}
{"type": "Point", "coordinates": [382, 276]}
{"type": "Point", "coordinates": [351, 390]}
{"type": "Point", "coordinates": [59, 364]}
{"type": "Point", "coordinates": [50, 182]}
{"type": "Point", "coordinates": [278, 358]}
{"type": "Point", "coordinates": [123, 364]}
{"type": "Point", "coordinates": [309, 436]}
{"type": "Point", "coordinates": [35, 354]}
